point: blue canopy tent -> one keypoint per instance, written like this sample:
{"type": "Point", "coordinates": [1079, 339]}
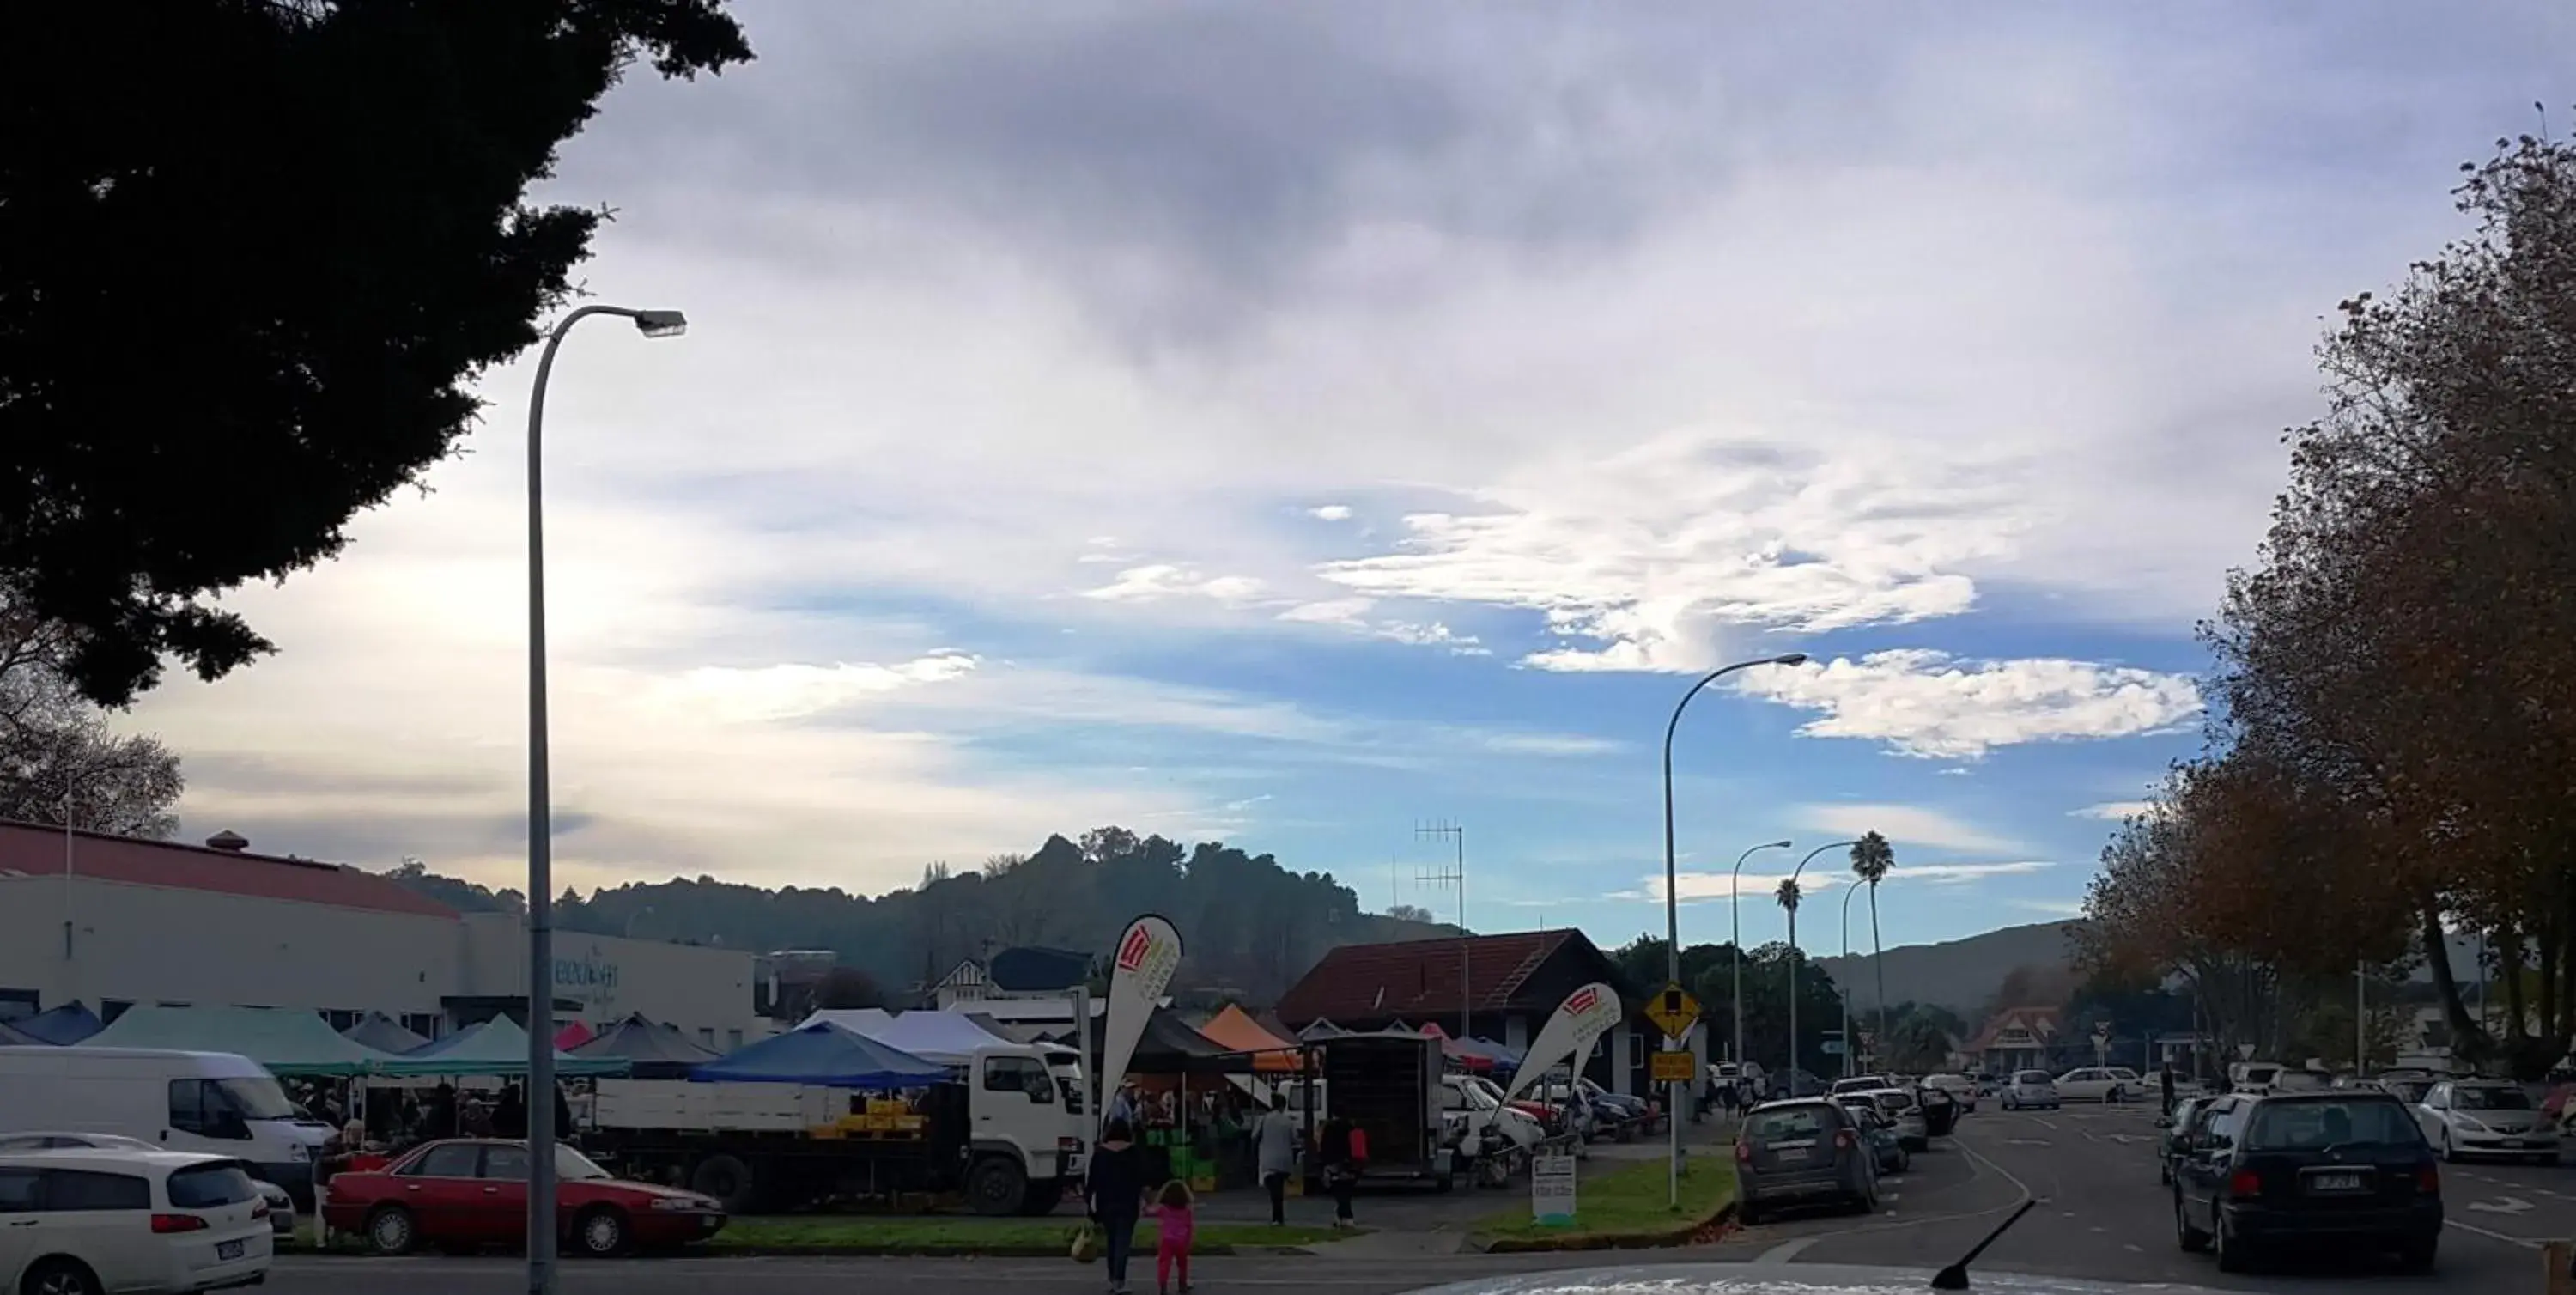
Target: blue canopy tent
{"type": "Point", "coordinates": [63, 1026]}
{"type": "Point", "coordinates": [1505, 1059]}
{"type": "Point", "coordinates": [11, 1038]}
{"type": "Point", "coordinates": [824, 1055]}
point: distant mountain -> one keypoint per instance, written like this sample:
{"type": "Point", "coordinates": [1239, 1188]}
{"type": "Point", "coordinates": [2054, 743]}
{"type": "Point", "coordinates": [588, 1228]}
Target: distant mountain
{"type": "Point", "coordinates": [1962, 975]}
{"type": "Point", "coordinates": [1249, 926]}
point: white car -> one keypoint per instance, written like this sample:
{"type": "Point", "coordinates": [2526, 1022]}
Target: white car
{"type": "Point", "coordinates": [281, 1207]}
{"type": "Point", "coordinates": [1961, 1089]}
{"type": "Point", "coordinates": [91, 1221]}
{"type": "Point", "coordinates": [1900, 1109]}
{"type": "Point", "coordinates": [2030, 1090]}
{"type": "Point", "coordinates": [2099, 1084]}
{"type": "Point", "coordinates": [2465, 1117]}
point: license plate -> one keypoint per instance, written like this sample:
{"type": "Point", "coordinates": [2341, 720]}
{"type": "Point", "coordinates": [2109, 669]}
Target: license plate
{"type": "Point", "coordinates": [1795, 1153]}
{"type": "Point", "coordinates": [228, 1250]}
{"type": "Point", "coordinates": [2513, 1142]}
{"type": "Point", "coordinates": [2335, 1182]}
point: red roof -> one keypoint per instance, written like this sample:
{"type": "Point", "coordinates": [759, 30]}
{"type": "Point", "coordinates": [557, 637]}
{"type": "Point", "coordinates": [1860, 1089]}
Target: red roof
{"type": "Point", "coordinates": [1414, 978]}
{"type": "Point", "coordinates": [2040, 1022]}
{"type": "Point", "coordinates": [34, 850]}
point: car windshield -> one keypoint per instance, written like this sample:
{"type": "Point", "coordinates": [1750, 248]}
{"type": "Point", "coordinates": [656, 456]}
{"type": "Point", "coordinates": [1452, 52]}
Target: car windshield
{"type": "Point", "coordinates": [2315, 1125]}
{"type": "Point", "coordinates": [1788, 1122]}
{"type": "Point", "coordinates": [1894, 1100]}
{"type": "Point", "coordinates": [2412, 1090]}
{"type": "Point", "coordinates": [2032, 1077]}
{"type": "Point", "coordinates": [256, 1098]}
{"type": "Point", "coordinates": [574, 1167]}
{"type": "Point", "coordinates": [2490, 1099]}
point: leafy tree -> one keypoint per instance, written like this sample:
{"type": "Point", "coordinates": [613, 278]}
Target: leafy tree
{"type": "Point", "coordinates": [57, 754]}
{"type": "Point", "coordinates": [1412, 913]}
{"type": "Point", "coordinates": [1766, 1007]}
{"type": "Point", "coordinates": [251, 251]}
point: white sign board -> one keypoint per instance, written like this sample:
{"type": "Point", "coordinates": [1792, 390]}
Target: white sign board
{"type": "Point", "coordinates": [1580, 1021]}
{"type": "Point", "coordinates": [1552, 1190]}
{"type": "Point", "coordinates": [1147, 955]}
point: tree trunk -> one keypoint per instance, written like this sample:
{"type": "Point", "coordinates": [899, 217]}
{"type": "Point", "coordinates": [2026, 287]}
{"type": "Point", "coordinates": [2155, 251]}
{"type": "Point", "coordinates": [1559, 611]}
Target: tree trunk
{"type": "Point", "coordinates": [2437, 959]}
{"type": "Point", "coordinates": [1878, 964]}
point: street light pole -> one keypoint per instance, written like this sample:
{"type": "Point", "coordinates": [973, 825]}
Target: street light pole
{"type": "Point", "coordinates": [541, 953]}
{"type": "Point", "coordinates": [1672, 903]}
{"type": "Point", "coordinates": [1735, 939]}
{"type": "Point", "coordinates": [1845, 995]}
{"type": "Point", "coordinates": [1794, 874]}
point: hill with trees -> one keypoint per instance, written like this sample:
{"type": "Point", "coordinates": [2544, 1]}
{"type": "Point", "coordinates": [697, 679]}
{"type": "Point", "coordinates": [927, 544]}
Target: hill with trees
{"type": "Point", "coordinates": [1251, 926]}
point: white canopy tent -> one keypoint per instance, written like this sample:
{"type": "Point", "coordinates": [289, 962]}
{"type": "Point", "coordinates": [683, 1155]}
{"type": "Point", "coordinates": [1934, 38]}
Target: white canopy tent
{"type": "Point", "coordinates": [949, 1038]}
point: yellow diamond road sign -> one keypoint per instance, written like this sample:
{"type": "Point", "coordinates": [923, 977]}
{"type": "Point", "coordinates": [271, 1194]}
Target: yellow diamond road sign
{"type": "Point", "coordinates": [1673, 1011]}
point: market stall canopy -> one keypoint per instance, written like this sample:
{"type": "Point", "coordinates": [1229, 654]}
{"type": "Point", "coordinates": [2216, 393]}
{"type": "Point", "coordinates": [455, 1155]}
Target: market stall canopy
{"type": "Point", "coordinates": [573, 1036]}
{"type": "Point", "coordinates": [1235, 1029]}
{"type": "Point", "coordinates": [655, 1051]}
{"type": "Point", "coordinates": [384, 1034]}
{"type": "Point", "coordinates": [949, 1038]}
{"type": "Point", "coordinates": [12, 1037]}
{"type": "Point", "coordinates": [1170, 1047]}
{"type": "Point", "coordinates": [823, 1054]}
{"type": "Point", "coordinates": [495, 1047]}
{"type": "Point", "coordinates": [288, 1042]}
{"type": "Point", "coordinates": [63, 1026]}
{"type": "Point", "coordinates": [1502, 1059]}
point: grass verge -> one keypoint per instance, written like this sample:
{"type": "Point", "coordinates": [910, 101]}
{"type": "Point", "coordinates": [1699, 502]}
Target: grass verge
{"type": "Point", "coordinates": [1629, 1207]}
{"type": "Point", "coordinates": [826, 1234]}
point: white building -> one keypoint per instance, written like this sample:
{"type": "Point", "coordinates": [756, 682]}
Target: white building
{"type": "Point", "coordinates": [113, 922]}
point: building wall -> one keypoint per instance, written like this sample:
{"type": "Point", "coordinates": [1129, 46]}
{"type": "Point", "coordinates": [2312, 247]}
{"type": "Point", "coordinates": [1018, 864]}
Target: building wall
{"type": "Point", "coordinates": [149, 944]}
{"type": "Point", "coordinates": [707, 992]}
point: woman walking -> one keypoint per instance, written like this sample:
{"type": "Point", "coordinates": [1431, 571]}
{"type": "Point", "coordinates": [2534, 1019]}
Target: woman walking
{"type": "Point", "coordinates": [1274, 1147]}
{"type": "Point", "coordinates": [1115, 1191]}
{"type": "Point", "coordinates": [1345, 1149]}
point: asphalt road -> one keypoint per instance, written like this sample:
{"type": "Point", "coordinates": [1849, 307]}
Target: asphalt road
{"type": "Point", "coordinates": [2101, 1216]}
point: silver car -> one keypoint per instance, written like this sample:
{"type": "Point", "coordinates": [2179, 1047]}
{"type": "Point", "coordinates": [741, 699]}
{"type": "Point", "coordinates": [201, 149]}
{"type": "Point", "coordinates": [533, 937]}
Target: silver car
{"type": "Point", "coordinates": [1805, 1151]}
{"type": "Point", "coordinates": [2031, 1090]}
{"type": "Point", "coordinates": [2465, 1118]}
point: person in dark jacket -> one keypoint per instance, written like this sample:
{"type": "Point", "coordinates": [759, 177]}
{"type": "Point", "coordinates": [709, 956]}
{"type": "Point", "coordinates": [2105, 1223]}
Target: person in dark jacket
{"type": "Point", "coordinates": [1115, 1191]}
{"type": "Point", "coordinates": [563, 1115]}
{"type": "Point", "coordinates": [1341, 1164]}
{"type": "Point", "coordinates": [510, 1114]}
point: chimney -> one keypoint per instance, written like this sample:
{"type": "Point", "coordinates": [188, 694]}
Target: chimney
{"type": "Point", "coordinates": [232, 841]}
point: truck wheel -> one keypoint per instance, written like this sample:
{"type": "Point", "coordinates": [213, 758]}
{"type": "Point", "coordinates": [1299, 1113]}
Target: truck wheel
{"type": "Point", "coordinates": [728, 1180]}
{"type": "Point", "coordinates": [996, 1185]}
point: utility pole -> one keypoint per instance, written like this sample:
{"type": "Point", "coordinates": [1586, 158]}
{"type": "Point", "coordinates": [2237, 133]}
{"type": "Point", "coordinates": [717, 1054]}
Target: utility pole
{"type": "Point", "coordinates": [1454, 873]}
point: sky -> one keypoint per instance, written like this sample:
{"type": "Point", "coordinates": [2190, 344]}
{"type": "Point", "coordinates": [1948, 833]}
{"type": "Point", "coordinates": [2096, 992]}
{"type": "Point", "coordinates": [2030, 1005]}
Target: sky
{"type": "Point", "coordinates": [1298, 425]}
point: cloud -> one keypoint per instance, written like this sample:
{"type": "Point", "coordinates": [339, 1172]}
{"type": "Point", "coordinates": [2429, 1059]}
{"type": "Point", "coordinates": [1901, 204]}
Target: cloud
{"type": "Point", "coordinates": [1331, 512]}
{"type": "Point", "coordinates": [1158, 581]}
{"type": "Point", "coordinates": [1935, 706]}
{"type": "Point", "coordinates": [1902, 825]}
{"type": "Point", "coordinates": [791, 690]}
{"type": "Point", "coordinates": [1699, 886]}
{"type": "Point", "coordinates": [2052, 907]}
{"type": "Point", "coordinates": [2113, 811]}
{"type": "Point", "coordinates": [1565, 744]}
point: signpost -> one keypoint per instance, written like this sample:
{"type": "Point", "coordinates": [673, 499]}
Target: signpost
{"type": "Point", "coordinates": [1552, 1190]}
{"type": "Point", "coordinates": [1669, 1067]}
{"type": "Point", "coordinates": [2101, 1041]}
{"type": "Point", "coordinates": [1673, 1011]}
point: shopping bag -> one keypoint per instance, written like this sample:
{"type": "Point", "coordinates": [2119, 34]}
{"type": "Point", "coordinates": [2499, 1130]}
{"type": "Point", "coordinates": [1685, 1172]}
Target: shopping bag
{"type": "Point", "coordinates": [1081, 1252]}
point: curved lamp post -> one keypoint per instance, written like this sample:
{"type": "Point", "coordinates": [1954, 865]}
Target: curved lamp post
{"type": "Point", "coordinates": [1672, 910]}
{"type": "Point", "coordinates": [1848, 892]}
{"type": "Point", "coordinates": [541, 950]}
{"type": "Point", "coordinates": [1735, 934]}
{"type": "Point", "coordinates": [1793, 960]}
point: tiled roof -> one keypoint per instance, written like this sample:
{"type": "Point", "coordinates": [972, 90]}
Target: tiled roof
{"type": "Point", "coordinates": [34, 850]}
{"type": "Point", "coordinates": [2041, 1022]}
{"type": "Point", "coordinates": [1362, 982]}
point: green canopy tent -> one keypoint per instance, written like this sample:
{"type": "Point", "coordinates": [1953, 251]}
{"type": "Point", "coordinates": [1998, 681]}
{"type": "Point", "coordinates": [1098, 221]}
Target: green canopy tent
{"type": "Point", "coordinates": [495, 1047]}
{"type": "Point", "coordinates": [287, 1042]}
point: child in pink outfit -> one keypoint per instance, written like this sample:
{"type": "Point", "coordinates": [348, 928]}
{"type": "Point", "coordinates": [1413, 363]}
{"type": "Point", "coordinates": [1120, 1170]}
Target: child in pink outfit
{"type": "Point", "coordinates": [1172, 1209]}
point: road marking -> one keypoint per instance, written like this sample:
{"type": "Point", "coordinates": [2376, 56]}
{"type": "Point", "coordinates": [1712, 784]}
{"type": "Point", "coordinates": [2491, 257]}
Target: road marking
{"type": "Point", "coordinates": [2133, 1249]}
{"type": "Point", "coordinates": [2502, 1205]}
{"type": "Point", "coordinates": [2045, 1120]}
{"type": "Point", "coordinates": [2027, 1142]}
{"type": "Point", "coordinates": [2494, 1236]}
{"type": "Point", "coordinates": [1788, 1250]}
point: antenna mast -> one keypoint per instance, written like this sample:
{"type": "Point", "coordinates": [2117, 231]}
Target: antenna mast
{"type": "Point", "coordinates": [1454, 873]}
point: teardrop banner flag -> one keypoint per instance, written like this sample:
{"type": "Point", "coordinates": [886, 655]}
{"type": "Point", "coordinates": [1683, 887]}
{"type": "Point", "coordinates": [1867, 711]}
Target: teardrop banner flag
{"type": "Point", "coordinates": [1147, 956]}
{"type": "Point", "coordinates": [1582, 1019]}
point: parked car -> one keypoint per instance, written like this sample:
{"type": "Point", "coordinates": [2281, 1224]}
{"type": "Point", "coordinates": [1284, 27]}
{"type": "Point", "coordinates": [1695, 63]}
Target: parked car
{"type": "Point", "coordinates": [1880, 1133]}
{"type": "Point", "coordinates": [1899, 1108]}
{"type": "Point", "coordinates": [2349, 1168]}
{"type": "Point", "coordinates": [1961, 1089]}
{"type": "Point", "coordinates": [281, 1206]}
{"type": "Point", "coordinates": [1803, 1151]}
{"type": "Point", "coordinates": [1862, 1084]}
{"type": "Point", "coordinates": [89, 1220]}
{"type": "Point", "coordinates": [2099, 1084]}
{"type": "Point", "coordinates": [2486, 1118]}
{"type": "Point", "coordinates": [1940, 1110]}
{"type": "Point", "coordinates": [2030, 1090]}
{"type": "Point", "coordinates": [465, 1193]}
{"type": "Point", "coordinates": [2170, 1132]}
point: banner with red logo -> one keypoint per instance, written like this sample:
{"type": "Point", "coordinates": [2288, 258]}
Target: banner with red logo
{"type": "Point", "coordinates": [1579, 1022]}
{"type": "Point", "coordinates": [1141, 970]}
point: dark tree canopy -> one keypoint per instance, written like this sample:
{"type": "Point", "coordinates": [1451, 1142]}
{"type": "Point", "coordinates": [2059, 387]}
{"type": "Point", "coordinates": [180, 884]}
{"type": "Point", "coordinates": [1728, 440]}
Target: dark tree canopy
{"type": "Point", "coordinates": [250, 253]}
{"type": "Point", "coordinates": [57, 754]}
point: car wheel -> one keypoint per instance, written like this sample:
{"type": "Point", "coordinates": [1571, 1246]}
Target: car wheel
{"type": "Point", "coordinates": [1904, 1160]}
{"type": "Point", "coordinates": [1747, 1215]}
{"type": "Point", "coordinates": [391, 1231]}
{"type": "Point", "coordinates": [2113, 1095]}
{"type": "Point", "coordinates": [61, 1277]}
{"type": "Point", "coordinates": [2232, 1256]}
{"type": "Point", "coordinates": [2417, 1256]}
{"type": "Point", "coordinates": [2450, 1153]}
{"type": "Point", "coordinates": [2164, 1173]}
{"type": "Point", "coordinates": [2190, 1238]}
{"type": "Point", "coordinates": [600, 1232]}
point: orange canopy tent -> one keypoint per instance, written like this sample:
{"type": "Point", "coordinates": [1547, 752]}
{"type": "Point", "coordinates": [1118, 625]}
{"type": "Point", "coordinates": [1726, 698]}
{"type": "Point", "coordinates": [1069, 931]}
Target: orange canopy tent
{"type": "Point", "coordinates": [1235, 1029]}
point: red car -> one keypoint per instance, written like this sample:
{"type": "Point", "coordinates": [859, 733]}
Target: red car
{"type": "Point", "coordinates": [467, 1193]}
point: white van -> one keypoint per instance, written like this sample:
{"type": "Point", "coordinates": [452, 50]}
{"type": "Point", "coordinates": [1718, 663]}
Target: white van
{"type": "Point", "coordinates": [211, 1102]}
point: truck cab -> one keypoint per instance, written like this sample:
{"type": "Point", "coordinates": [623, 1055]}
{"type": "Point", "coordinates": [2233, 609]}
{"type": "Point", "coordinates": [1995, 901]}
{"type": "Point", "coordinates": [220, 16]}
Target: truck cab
{"type": "Point", "coordinates": [1027, 1142]}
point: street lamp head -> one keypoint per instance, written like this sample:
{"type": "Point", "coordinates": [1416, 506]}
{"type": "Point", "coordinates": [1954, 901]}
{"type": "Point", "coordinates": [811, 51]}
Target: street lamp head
{"type": "Point", "coordinates": [1778, 845]}
{"type": "Point", "coordinates": [1790, 658]}
{"type": "Point", "coordinates": [661, 323]}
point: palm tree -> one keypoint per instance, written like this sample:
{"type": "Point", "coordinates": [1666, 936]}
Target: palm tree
{"type": "Point", "coordinates": [1871, 857]}
{"type": "Point", "coordinates": [1787, 894]}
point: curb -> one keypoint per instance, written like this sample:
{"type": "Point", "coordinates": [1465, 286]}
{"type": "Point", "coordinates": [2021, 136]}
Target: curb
{"type": "Point", "coordinates": [1679, 1235]}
